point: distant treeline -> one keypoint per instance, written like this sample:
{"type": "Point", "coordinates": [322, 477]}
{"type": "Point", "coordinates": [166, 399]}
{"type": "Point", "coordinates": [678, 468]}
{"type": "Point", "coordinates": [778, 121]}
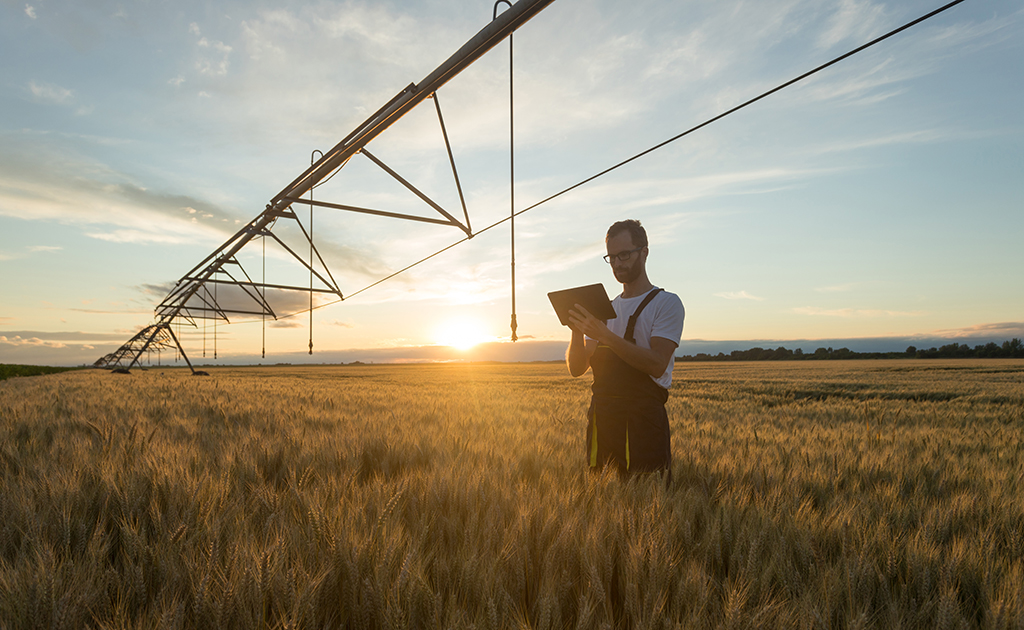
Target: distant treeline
{"type": "Point", "coordinates": [1013, 349]}
{"type": "Point", "coordinates": [8, 371]}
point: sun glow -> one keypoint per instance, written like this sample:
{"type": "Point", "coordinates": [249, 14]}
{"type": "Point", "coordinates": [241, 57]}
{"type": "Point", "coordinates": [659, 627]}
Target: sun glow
{"type": "Point", "coordinates": [461, 333]}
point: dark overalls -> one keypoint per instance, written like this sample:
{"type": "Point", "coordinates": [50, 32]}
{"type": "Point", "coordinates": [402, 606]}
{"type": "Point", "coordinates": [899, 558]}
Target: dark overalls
{"type": "Point", "coordinates": [628, 424]}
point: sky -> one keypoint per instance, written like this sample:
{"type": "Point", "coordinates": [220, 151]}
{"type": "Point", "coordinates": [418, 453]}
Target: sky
{"type": "Point", "coordinates": [875, 205]}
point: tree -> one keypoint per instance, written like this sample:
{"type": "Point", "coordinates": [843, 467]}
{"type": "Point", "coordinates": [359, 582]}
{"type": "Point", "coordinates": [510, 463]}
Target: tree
{"type": "Point", "coordinates": [781, 354]}
{"type": "Point", "coordinates": [990, 350]}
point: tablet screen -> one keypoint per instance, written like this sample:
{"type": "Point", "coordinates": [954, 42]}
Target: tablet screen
{"type": "Point", "coordinates": [592, 297]}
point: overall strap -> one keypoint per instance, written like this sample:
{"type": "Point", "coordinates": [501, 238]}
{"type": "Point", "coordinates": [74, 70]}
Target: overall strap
{"type": "Point", "coordinates": [632, 319]}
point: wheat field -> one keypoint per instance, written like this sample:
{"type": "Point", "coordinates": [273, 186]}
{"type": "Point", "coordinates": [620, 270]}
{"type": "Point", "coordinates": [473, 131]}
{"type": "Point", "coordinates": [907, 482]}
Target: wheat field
{"type": "Point", "coordinates": [861, 494]}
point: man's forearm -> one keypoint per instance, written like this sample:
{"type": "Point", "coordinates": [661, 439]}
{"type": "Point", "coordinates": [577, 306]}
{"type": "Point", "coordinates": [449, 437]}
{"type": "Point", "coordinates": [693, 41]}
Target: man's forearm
{"type": "Point", "coordinates": [576, 356]}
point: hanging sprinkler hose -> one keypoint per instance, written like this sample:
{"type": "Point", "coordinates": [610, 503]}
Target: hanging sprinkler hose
{"type": "Point", "coordinates": [312, 158]}
{"type": "Point", "coordinates": [512, 172]}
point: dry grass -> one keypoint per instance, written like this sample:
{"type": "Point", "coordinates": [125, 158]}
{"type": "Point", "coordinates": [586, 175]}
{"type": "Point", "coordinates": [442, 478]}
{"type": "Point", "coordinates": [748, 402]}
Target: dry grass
{"type": "Point", "coordinates": [868, 494]}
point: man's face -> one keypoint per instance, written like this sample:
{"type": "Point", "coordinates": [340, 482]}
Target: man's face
{"type": "Point", "coordinates": [628, 270]}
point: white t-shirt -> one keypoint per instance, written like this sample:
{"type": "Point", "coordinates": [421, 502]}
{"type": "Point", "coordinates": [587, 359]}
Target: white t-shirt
{"type": "Point", "coordinates": [663, 317]}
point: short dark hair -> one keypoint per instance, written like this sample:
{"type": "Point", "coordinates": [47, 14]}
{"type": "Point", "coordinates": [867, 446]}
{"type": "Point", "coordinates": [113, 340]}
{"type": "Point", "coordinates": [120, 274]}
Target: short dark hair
{"type": "Point", "coordinates": [636, 231]}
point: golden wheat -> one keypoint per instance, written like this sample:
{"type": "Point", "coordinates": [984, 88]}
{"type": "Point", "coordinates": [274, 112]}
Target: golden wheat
{"type": "Point", "coordinates": [874, 494]}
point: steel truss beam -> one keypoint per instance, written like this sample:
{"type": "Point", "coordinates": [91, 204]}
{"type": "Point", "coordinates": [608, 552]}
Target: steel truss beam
{"type": "Point", "coordinates": [194, 296]}
{"type": "Point", "coordinates": [155, 337]}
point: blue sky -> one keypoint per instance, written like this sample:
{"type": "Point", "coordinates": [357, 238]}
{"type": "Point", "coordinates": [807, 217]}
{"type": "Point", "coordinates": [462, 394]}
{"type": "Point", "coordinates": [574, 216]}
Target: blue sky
{"type": "Point", "coordinates": [880, 199]}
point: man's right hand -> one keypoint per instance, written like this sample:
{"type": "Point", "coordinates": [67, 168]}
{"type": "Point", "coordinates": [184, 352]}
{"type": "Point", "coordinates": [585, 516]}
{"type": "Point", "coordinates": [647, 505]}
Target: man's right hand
{"type": "Point", "coordinates": [580, 319]}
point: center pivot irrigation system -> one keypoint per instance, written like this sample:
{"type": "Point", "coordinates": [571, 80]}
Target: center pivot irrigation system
{"type": "Point", "coordinates": [194, 297]}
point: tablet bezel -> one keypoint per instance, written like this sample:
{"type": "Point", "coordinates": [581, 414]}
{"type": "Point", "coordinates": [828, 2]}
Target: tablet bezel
{"type": "Point", "coordinates": [592, 297]}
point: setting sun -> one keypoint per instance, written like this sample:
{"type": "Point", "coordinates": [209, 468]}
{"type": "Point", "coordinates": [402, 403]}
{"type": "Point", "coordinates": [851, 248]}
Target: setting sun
{"type": "Point", "coordinates": [461, 333]}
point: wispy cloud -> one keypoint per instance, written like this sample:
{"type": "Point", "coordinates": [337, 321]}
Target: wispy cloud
{"type": "Point", "coordinates": [1000, 329]}
{"type": "Point", "coordinates": [461, 284]}
{"type": "Point", "coordinates": [30, 11]}
{"type": "Point", "coordinates": [881, 81]}
{"type": "Point", "coordinates": [57, 348]}
{"type": "Point", "coordinates": [17, 341]}
{"type": "Point", "coordinates": [62, 336]}
{"type": "Point", "coordinates": [854, 312]}
{"type": "Point", "coordinates": [637, 193]}
{"type": "Point", "coordinates": [142, 215]}
{"type": "Point", "coordinates": [339, 323]}
{"type": "Point", "coordinates": [903, 138]}
{"type": "Point", "coordinates": [91, 139]}
{"type": "Point", "coordinates": [883, 73]}
{"type": "Point", "coordinates": [286, 323]}
{"type": "Point", "coordinates": [969, 35]}
{"type": "Point", "coordinates": [157, 290]}
{"type": "Point", "coordinates": [854, 21]}
{"type": "Point", "coordinates": [839, 288]}
{"type": "Point", "coordinates": [213, 56]}
{"type": "Point", "coordinates": [116, 311]}
{"type": "Point", "coordinates": [49, 93]}
{"type": "Point", "coordinates": [738, 295]}
{"type": "Point", "coordinates": [385, 49]}
{"type": "Point", "coordinates": [55, 95]}
{"type": "Point", "coordinates": [38, 185]}
{"type": "Point", "coordinates": [143, 236]}
{"type": "Point", "coordinates": [33, 249]}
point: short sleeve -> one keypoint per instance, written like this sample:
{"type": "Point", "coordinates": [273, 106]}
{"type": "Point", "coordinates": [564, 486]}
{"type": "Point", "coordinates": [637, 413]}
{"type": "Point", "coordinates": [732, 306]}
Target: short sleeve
{"type": "Point", "coordinates": [668, 318]}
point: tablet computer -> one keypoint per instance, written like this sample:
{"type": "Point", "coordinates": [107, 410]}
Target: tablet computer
{"type": "Point", "coordinates": [592, 297]}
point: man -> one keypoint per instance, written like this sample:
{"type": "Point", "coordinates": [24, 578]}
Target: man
{"type": "Point", "coordinates": [632, 358]}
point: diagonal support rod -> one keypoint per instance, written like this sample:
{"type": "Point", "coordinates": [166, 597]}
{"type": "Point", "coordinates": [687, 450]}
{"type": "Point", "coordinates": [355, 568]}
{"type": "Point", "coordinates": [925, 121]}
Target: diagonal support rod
{"type": "Point", "coordinates": [451, 159]}
{"type": "Point", "coordinates": [379, 213]}
{"type": "Point", "coordinates": [415, 191]}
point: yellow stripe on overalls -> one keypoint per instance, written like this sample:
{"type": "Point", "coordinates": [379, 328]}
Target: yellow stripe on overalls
{"type": "Point", "coordinates": [627, 447]}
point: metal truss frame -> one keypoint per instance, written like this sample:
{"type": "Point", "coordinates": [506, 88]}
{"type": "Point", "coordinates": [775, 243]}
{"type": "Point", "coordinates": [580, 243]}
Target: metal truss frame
{"type": "Point", "coordinates": [194, 295]}
{"type": "Point", "coordinates": [150, 339]}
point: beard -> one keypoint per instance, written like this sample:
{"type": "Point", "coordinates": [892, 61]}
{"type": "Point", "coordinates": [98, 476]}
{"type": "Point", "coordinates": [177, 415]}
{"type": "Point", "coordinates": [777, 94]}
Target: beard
{"type": "Point", "coordinates": [625, 275]}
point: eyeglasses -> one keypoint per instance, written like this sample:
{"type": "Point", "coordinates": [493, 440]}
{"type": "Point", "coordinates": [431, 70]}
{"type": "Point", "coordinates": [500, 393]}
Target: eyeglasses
{"type": "Point", "coordinates": [622, 256]}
